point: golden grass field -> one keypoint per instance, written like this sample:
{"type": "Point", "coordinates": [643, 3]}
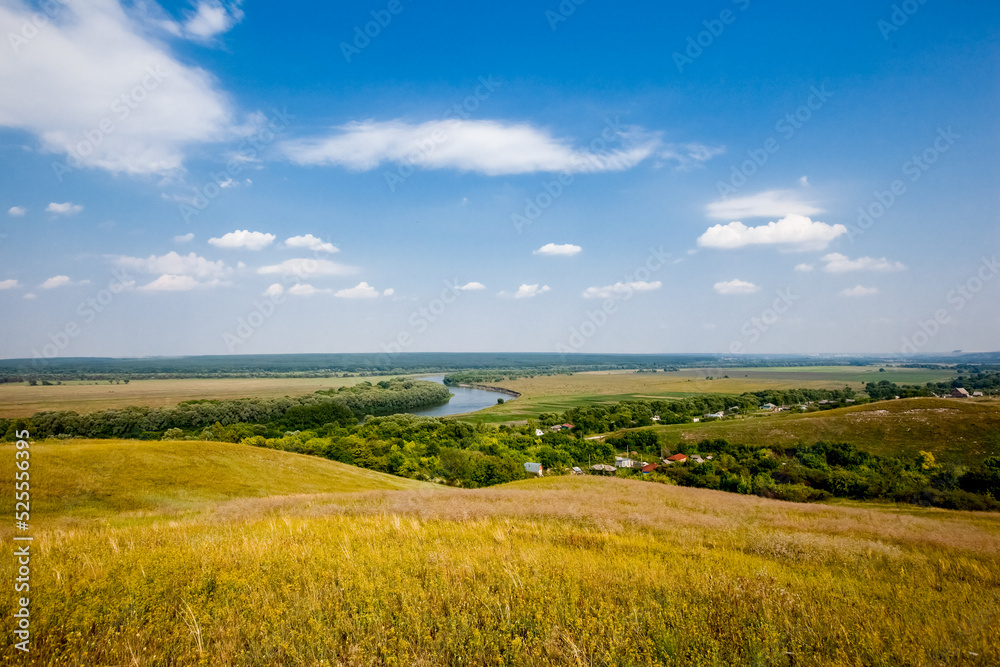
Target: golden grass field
{"type": "Point", "coordinates": [567, 571]}
{"type": "Point", "coordinates": [21, 400]}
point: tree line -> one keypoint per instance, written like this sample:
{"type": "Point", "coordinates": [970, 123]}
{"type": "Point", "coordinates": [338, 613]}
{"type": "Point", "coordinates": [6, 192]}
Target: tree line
{"type": "Point", "coordinates": [339, 406]}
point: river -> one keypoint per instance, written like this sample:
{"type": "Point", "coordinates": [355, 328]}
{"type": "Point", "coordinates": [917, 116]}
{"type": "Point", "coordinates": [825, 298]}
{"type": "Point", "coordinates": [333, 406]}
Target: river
{"type": "Point", "coordinates": [463, 399]}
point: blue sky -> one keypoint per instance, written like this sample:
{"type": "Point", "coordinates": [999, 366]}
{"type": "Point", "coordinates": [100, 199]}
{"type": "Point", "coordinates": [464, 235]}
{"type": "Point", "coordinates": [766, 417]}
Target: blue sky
{"type": "Point", "coordinates": [211, 178]}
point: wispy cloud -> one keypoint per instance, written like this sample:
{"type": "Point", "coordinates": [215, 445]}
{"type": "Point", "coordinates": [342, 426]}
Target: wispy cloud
{"type": "Point", "coordinates": [526, 291]}
{"type": "Point", "coordinates": [736, 286]}
{"type": "Point", "coordinates": [620, 289]}
{"type": "Point", "coordinates": [859, 291]}
{"type": "Point", "coordinates": [184, 238]}
{"type": "Point", "coordinates": [176, 264]}
{"type": "Point", "coordinates": [9, 284]}
{"type": "Point", "coordinates": [310, 242]}
{"type": "Point", "coordinates": [56, 281]}
{"type": "Point", "coordinates": [211, 18]}
{"type": "Point", "coordinates": [804, 268]}
{"type": "Point", "coordinates": [471, 286]}
{"type": "Point", "coordinates": [837, 263]}
{"type": "Point", "coordinates": [564, 250]}
{"type": "Point", "coordinates": [66, 208]}
{"type": "Point", "coordinates": [305, 289]}
{"type": "Point", "coordinates": [794, 232]}
{"type": "Point", "coordinates": [78, 79]}
{"type": "Point", "coordinates": [306, 266]}
{"type": "Point", "coordinates": [360, 291]}
{"type": "Point", "coordinates": [16, 211]}
{"type": "Point", "coordinates": [244, 239]}
{"type": "Point", "coordinates": [485, 146]}
{"type": "Point", "coordinates": [768, 204]}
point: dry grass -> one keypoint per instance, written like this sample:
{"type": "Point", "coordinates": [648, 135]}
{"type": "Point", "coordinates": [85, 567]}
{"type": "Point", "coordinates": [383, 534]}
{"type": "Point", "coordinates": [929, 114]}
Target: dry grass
{"type": "Point", "coordinates": [569, 571]}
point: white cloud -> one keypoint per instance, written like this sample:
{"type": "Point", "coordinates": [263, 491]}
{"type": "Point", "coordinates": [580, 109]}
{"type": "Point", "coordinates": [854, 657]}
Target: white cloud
{"type": "Point", "coordinates": [172, 283]}
{"type": "Point", "coordinates": [56, 281]}
{"type": "Point", "coordinates": [528, 291]}
{"type": "Point", "coordinates": [804, 267]}
{"type": "Point", "coordinates": [620, 289]}
{"type": "Point", "coordinates": [95, 71]}
{"type": "Point", "coordinates": [859, 291]}
{"type": "Point", "coordinates": [794, 232]}
{"type": "Point", "coordinates": [837, 263]}
{"type": "Point", "coordinates": [302, 267]}
{"type": "Point", "coordinates": [388, 291]}
{"type": "Point", "coordinates": [564, 250]}
{"type": "Point", "coordinates": [29, 295]}
{"type": "Point", "coordinates": [484, 146]}
{"type": "Point", "coordinates": [175, 264]}
{"type": "Point", "coordinates": [471, 286]}
{"type": "Point", "coordinates": [691, 154]}
{"type": "Point", "coordinates": [310, 242]}
{"type": "Point", "coordinates": [184, 238]}
{"type": "Point", "coordinates": [16, 211]}
{"type": "Point", "coordinates": [275, 289]}
{"type": "Point", "coordinates": [736, 286]}
{"type": "Point", "coordinates": [9, 284]}
{"type": "Point", "coordinates": [67, 208]}
{"type": "Point", "coordinates": [771, 203]}
{"type": "Point", "coordinates": [243, 238]}
{"type": "Point", "coordinates": [360, 291]}
{"type": "Point", "coordinates": [212, 18]}
{"type": "Point", "coordinates": [304, 289]}
{"type": "Point", "coordinates": [804, 181]}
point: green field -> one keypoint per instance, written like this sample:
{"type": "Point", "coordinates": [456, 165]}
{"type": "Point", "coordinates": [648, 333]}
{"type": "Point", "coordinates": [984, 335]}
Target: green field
{"type": "Point", "coordinates": [569, 571]}
{"type": "Point", "coordinates": [558, 393]}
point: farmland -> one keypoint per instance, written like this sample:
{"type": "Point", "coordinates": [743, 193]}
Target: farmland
{"type": "Point", "coordinates": [557, 393]}
{"type": "Point", "coordinates": [22, 400]}
{"type": "Point", "coordinates": [550, 571]}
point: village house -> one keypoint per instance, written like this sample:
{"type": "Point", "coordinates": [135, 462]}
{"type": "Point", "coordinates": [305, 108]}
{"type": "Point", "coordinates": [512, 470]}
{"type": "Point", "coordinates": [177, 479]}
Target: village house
{"type": "Point", "coordinates": [959, 392]}
{"type": "Point", "coordinates": [624, 462]}
{"type": "Point", "coordinates": [717, 415]}
{"type": "Point", "coordinates": [677, 458]}
{"type": "Point", "coordinates": [977, 393]}
{"type": "Point", "coordinates": [768, 406]}
{"type": "Point", "coordinates": [533, 468]}
{"type": "Point", "coordinates": [648, 468]}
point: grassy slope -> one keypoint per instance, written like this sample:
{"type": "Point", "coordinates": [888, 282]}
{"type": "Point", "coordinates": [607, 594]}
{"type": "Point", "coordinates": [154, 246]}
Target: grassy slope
{"type": "Point", "coordinates": [104, 477]}
{"type": "Point", "coordinates": [960, 431]}
{"type": "Point", "coordinates": [580, 571]}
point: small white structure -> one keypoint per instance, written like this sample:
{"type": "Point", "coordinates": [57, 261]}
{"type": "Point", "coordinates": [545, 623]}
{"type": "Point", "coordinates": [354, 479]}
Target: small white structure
{"type": "Point", "coordinates": [768, 406]}
{"type": "Point", "coordinates": [623, 462]}
{"type": "Point", "coordinates": [539, 432]}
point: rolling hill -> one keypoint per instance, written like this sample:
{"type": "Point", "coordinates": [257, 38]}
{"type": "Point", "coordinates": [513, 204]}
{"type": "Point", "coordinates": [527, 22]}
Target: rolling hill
{"type": "Point", "coordinates": [956, 431]}
{"type": "Point", "coordinates": [102, 478]}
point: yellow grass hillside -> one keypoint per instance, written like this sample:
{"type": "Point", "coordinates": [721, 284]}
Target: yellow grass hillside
{"type": "Point", "coordinates": [570, 571]}
{"type": "Point", "coordinates": [104, 478]}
